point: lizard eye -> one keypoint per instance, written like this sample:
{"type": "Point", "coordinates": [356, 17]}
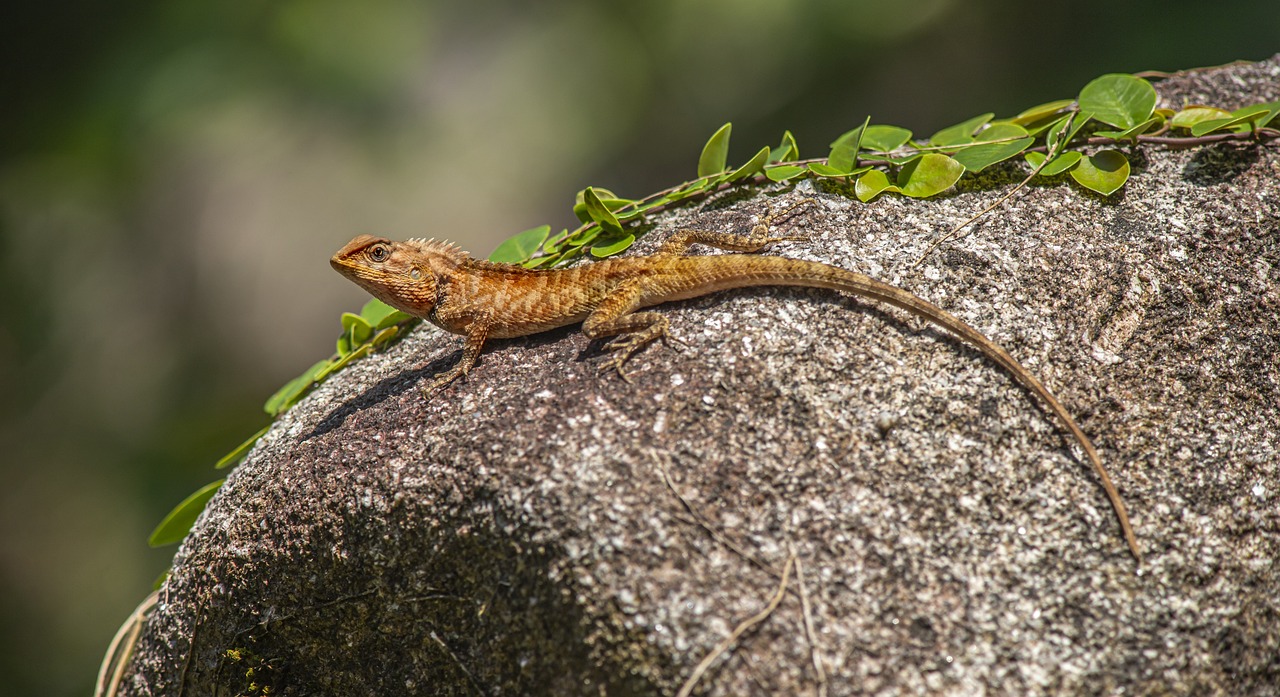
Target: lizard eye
{"type": "Point", "coordinates": [415, 274]}
{"type": "Point", "coordinates": [379, 253]}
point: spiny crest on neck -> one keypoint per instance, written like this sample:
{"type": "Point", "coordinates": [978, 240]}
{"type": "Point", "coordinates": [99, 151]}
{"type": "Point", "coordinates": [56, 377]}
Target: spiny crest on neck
{"type": "Point", "coordinates": [442, 248]}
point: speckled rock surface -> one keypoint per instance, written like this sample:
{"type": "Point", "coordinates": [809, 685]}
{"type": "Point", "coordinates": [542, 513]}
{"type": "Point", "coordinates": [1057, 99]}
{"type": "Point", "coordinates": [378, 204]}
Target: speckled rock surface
{"type": "Point", "coordinates": [543, 528]}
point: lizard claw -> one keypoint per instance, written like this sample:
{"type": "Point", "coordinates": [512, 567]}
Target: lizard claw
{"type": "Point", "coordinates": [615, 364]}
{"type": "Point", "coordinates": [441, 381]}
{"type": "Point", "coordinates": [675, 343]}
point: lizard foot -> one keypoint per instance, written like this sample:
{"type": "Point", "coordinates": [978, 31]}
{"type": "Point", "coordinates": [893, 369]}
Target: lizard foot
{"type": "Point", "coordinates": [616, 364]}
{"type": "Point", "coordinates": [441, 381]}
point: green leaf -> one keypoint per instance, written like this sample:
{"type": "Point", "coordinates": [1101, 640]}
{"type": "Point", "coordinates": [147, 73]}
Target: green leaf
{"type": "Point", "coordinates": [753, 166]}
{"type": "Point", "coordinates": [542, 262]}
{"type": "Point", "coordinates": [177, 524]}
{"type": "Point", "coordinates": [602, 193]}
{"type": "Point", "coordinates": [375, 311]}
{"type": "Point", "coordinates": [357, 327]}
{"type": "Point", "coordinates": [1206, 127]}
{"type": "Point", "coordinates": [1103, 172]}
{"type": "Point", "coordinates": [241, 450]}
{"type": "Point", "coordinates": [786, 151]}
{"type": "Point", "coordinates": [782, 173]}
{"type": "Point", "coordinates": [1269, 112]}
{"type": "Point", "coordinates": [393, 319]}
{"type": "Point", "coordinates": [341, 363]}
{"type": "Point", "coordinates": [975, 158]}
{"type": "Point", "coordinates": [344, 345]}
{"type": "Point", "coordinates": [1041, 112]}
{"type": "Point", "coordinates": [613, 247]}
{"type": "Point", "coordinates": [553, 245]}
{"type": "Point", "coordinates": [599, 212]}
{"type": "Point", "coordinates": [715, 154]}
{"type": "Point", "coordinates": [1057, 166]}
{"type": "Point", "coordinates": [383, 336]}
{"type": "Point", "coordinates": [844, 150]}
{"type": "Point", "coordinates": [382, 315]}
{"type": "Point", "coordinates": [1054, 134]}
{"type": "Point", "coordinates": [831, 172]}
{"type": "Point", "coordinates": [1195, 114]}
{"type": "Point", "coordinates": [1134, 132]}
{"type": "Point", "coordinates": [884, 138]}
{"type": "Point", "coordinates": [292, 390]}
{"type": "Point", "coordinates": [960, 133]}
{"type": "Point", "coordinates": [585, 236]}
{"type": "Point", "coordinates": [871, 184]}
{"type": "Point", "coordinates": [1119, 100]}
{"type": "Point", "coordinates": [689, 190]}
{"type": "Point", "coordinates": [521, 246]}
{"type": "Point", "coordinates": [1249, 117]}
{"type": "Point", "coordinates": [929, 175]}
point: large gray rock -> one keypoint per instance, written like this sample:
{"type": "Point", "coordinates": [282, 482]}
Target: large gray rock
{"type": "Point", "coordinates": [546, 528]}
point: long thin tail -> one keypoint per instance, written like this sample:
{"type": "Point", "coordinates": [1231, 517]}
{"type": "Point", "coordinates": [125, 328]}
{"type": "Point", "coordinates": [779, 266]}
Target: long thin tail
{"type": "Point", "coordinates": [765, 270]}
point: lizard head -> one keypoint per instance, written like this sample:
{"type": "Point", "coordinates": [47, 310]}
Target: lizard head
{"type": "Point", "coordinates": [405, 275]}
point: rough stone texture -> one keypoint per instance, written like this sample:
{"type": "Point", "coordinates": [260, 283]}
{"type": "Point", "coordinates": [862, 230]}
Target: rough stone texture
{"type": "Point", "coordinates": [516, 534]}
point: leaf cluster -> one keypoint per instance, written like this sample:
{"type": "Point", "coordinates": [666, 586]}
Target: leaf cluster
{"type": "Point", "coordinates": [1066, 136]}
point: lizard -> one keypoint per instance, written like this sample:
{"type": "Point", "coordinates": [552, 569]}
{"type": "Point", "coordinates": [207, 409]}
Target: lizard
{"type": "Point", "coordinates": [480, 300]}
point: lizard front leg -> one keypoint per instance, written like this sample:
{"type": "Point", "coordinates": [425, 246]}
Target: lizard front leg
{"type": "Point", "coordinates": [757, 239]}
{"type": "Point", "coordinates": [477, 332]}
{"type": "Point", "coordinates": [615, 315]}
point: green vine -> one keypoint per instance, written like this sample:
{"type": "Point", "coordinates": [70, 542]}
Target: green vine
{"type": "Point", "coordinates": [1067, 136]}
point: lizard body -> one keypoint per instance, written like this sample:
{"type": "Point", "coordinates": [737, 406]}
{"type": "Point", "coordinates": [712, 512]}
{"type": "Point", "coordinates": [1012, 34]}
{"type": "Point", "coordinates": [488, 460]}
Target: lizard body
{"type": "Point", "coordinates": [442, 284]}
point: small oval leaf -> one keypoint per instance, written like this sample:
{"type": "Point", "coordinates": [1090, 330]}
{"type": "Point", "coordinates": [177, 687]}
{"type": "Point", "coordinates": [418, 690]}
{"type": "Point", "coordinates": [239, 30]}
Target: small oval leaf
{"type": "Point", "coordinates": [929, 175]}
{"type": "Point", "coordinates": [375, 311]}
{"type": "Point", "coordinates": [960, 133]}
{"type": "Point", "coordinates": [241, 450]}
{"type": "Point", "coordinates": [599, 212]}
{"type": "Point", "coordinates": [1104, 172]}
{"type": "Point", "coordinates": [844, 150]}
{"type": "Point", "coordinates": [884, 138]}
{"type": "Point", "coordinates": [786, 151]}
{"type": "Point", "coordinates": [584, 236]}
{"type": "Point", "coordinates": [356, 327]}
{"type": "Point", "coordinates": [715, 154]}
{"type": "Point", "coordinates": [871, 184]}
{"type": "Point", "coordinates": [178, 522]}
{"type": "Point", "coordinates": [1119, 100]}
{"type": "Point", "coordinates": [976, 158]}
{"type": "Point", "coordinates": [753, 166]}
{"type": "Point", "coordinates": [1057, 166]}
{"type": "Point", "coordinates": [613, 247]}
{"type": "Point", "coordinates": [292, 390]}
{"type": "Point", "coordinates": [1195, 114]}
{"type": "Point", "coordinates": [1042, 112]}
{"type": "Point", "coordinates": [1132, 133]}
{"type": "Point", "coordinates": [521, 246]}
{"type": "Point", "coordinates": [782, 173]}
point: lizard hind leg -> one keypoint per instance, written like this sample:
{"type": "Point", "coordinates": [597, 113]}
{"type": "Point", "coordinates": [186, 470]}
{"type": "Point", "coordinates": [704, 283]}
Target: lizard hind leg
{"type": "Point", "coordinates": [631, 330]}
{"type": "Point", "coordinates": [756, 240]}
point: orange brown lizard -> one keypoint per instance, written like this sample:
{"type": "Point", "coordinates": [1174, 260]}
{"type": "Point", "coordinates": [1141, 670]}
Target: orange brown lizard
{"type": "Point", "coordinates": [480, 300]}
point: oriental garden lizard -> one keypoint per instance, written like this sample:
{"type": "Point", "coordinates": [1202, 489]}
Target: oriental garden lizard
{"type": "Point", "coordinates": [482, 300]}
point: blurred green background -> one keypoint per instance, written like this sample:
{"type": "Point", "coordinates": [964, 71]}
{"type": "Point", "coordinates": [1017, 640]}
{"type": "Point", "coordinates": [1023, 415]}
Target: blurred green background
{"type": "Point", "coordinates": [174, 176]}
